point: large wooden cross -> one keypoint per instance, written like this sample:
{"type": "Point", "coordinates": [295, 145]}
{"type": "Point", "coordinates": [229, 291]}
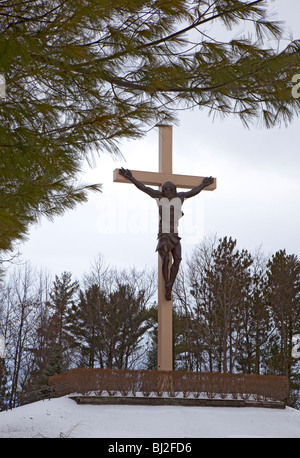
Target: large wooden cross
{"type": "Point", "coordinates": [165, 173]}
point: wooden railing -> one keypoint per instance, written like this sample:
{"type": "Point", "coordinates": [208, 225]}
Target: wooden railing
{"type": "Point", "coordinates": [111, 382]}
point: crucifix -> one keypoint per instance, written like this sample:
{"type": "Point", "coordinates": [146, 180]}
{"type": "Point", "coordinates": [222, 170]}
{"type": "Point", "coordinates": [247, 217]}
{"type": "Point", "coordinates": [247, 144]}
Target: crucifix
{"type": "Point", "coordinates": [169, 202]}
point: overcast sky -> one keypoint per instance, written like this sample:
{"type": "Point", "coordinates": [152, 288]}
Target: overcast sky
{"type": "Point", "coordinates": [256, 201]}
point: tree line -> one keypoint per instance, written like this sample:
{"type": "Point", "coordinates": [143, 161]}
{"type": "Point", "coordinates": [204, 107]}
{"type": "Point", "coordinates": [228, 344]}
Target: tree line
{"type": "Point", "coordinates": [234, 311]}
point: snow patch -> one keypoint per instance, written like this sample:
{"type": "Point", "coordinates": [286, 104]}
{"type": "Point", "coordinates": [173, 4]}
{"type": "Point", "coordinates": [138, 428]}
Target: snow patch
{"type": "Point", "coordinates": [62, 417]}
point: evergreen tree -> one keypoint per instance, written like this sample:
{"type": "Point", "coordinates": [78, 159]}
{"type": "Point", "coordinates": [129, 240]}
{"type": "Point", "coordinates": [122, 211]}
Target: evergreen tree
{"type": "Point", "coordinates": [109, 326]}
{"type": "Point", "coordinates": [127, 319]}
{"type": "Point", "coordinates": [4, 390]}
{"type": "Point", "coordinates": [43, 349]}
{"type": "Point", "coordinates": [86, 324]}
{"type": "Point", "coordinates": [201, 310]}
{"type": "Point", "coordinates": [56, 364]}
{"type": "Point", "coordinates": [283, 295]}
{"type": "Point", "coordinates": [152, 342]}
{"type": "Point", "coordinates": [62, 300]}
{"type": "Point", "coordinates": [228, 283]}
{"type": "Point", "coordinates": [82, 75]}
{"type": "Point", "coordinates": [255, 325]}
{"type": "Point", "coordinates": [220, 280]}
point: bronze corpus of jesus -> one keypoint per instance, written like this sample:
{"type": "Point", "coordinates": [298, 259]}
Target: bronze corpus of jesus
{"type": "Point", "coordinates": [169, 203]}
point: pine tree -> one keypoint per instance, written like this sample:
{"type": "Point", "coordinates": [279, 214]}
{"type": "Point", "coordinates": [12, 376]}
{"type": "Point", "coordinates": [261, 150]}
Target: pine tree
{"type": "Point", "coordinates": [255, 324]}
{"type": "Point", "coordinates": [199, 299]}
{"type": "Point", "coordinates": [229, 282]}
{"type": "Point", "coordinates": [81, 75]}
{"type": "Point", "coordinates": [220, 285]}
{"type": "Point", "coordinates": [55, 365]}
{"type": "Point", "coordinates": [85, 320]}
{"type": "Point", "coordinates": [283, 295]}
{"type": "Point", "coordinates": [62, 300]}
{"type": "Point", "coordinates": [108, 327]}
{"type": "Point", "coordinates": [152, 343]}
{"type": "Point", "coordinates": [3, 385]}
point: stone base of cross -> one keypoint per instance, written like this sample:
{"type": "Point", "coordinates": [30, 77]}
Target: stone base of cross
{"type": "Point", "coordinates": [165, 173]}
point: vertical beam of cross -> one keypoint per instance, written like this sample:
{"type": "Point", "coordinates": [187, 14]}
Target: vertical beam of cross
{"type": "Point", "coordinates": [165, 308]}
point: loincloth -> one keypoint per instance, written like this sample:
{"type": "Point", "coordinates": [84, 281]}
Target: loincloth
{"type": "Point", "coordinates": [169, 240]}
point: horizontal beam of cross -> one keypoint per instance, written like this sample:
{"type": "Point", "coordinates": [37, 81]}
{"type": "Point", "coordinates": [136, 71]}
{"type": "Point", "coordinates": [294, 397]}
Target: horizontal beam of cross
{"type": "Point", "coordinates": [157, 179]}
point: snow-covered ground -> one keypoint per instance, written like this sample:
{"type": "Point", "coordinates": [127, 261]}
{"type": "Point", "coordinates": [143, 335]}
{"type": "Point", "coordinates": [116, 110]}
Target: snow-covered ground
{"type": "Point", "coordinates": [62, 417]}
